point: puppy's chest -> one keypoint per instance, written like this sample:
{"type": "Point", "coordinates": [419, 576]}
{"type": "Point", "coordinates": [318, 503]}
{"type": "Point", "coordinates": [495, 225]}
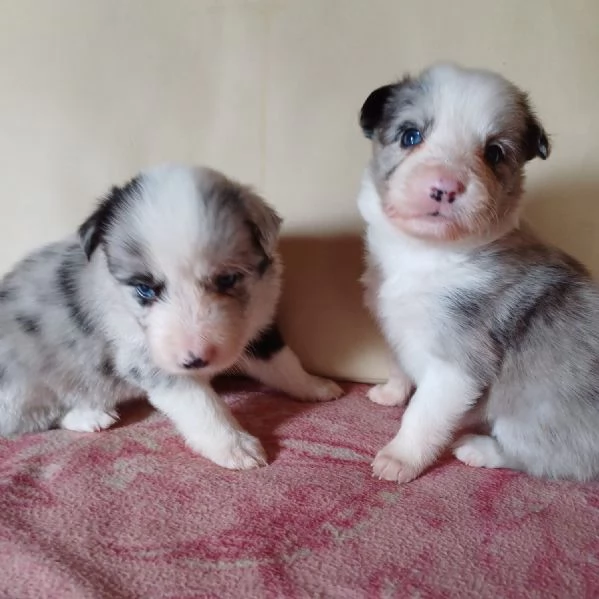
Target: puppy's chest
{"type": "Point", "coordinates": [411, 303]}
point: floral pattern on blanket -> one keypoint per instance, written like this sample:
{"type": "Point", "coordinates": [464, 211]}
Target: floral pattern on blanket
{"type": "Point", "coordinates": [131, 512]}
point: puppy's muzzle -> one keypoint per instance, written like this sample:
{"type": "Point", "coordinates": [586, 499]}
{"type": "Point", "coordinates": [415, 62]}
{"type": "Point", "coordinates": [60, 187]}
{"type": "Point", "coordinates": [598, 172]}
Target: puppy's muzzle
{"type": "Point", "coordinates": [195, 363]}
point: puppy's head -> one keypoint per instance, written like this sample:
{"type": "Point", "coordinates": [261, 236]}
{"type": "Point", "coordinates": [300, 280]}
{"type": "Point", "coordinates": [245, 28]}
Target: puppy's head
{"type": "Point", "coordinates": [449, 151]}
{"type": "Point", "coordinates": [195, 256]}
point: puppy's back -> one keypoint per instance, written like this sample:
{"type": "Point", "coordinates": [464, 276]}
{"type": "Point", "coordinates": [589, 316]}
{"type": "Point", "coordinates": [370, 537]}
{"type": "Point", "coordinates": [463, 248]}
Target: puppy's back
{"type": "Point", "coordinates": [532, 337]}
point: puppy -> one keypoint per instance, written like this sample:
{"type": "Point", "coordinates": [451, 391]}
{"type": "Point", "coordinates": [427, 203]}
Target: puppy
{"type": "Point", "coordinates": [485, 321]}
{"type": "Point", "coordinates": [172, 280]}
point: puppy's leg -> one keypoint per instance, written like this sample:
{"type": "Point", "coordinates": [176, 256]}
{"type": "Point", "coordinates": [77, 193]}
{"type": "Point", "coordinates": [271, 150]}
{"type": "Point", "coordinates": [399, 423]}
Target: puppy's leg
{"type": "Point", "coordinates": [396, 391]}
{"type": "Point", "coordinates": [88, 420]}
{"type": "Point", "coordinates": [207, 424]}
{"type": "Point", "coordinates": [442, 398]}
{"type": "Point", "coordinates": [88, 411]}
{"type": "Point", "coordinates": [21, 411]}
{"type": "Point", "coordinates": [283, 371]}
{"type": "Point", "coordinates": [481, 451]}
{"type": "Point", "coordinates": [270, 361]}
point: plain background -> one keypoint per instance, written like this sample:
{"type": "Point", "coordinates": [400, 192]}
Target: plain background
{"type": "Point", "coordinates": [269, 92]}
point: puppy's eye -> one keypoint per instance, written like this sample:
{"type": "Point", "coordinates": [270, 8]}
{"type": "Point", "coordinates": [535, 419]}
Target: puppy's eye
{"type": "Point", "coordinates": [227, 281]}
{"type": "Point", "coordinates": [411, 137]}
{"type": "Point", "coordinates": [146, 293]}
{"type": "Point", "coordinates": [494, 154]}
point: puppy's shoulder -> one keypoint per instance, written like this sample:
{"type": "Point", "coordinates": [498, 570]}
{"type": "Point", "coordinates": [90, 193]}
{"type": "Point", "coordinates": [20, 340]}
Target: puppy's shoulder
{"type": "Point", "coordinates": [36, 283]}
{"type": "Point", "coordinates": [42, 260]}
{"type": "Point", "coordinates": [522, 254]}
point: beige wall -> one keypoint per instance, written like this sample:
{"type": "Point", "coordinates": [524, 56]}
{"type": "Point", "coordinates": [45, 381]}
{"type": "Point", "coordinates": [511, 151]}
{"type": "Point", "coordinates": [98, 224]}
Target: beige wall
{"type": "Point", "coordinates": [91, 90]}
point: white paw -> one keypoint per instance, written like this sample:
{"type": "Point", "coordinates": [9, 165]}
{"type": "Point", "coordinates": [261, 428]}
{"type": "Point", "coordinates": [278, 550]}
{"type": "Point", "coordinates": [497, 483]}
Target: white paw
{"type": "Point", "coordinates": [320, 389]}
{"type": "Point", "coordinates": [478, 451]}
{"type": "Point", "coordinates": [87, 420]}
{"type": "Point", "coordinates": [389, 465]}
{"type": "Point", "coordinates": [392, 393]}
{"type": "Point", "coordinates": [242, 452]}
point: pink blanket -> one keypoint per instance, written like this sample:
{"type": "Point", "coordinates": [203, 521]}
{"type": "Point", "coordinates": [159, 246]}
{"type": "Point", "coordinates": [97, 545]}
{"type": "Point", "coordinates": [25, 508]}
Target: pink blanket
{"type": "Point", "coordinates": [130, 512]}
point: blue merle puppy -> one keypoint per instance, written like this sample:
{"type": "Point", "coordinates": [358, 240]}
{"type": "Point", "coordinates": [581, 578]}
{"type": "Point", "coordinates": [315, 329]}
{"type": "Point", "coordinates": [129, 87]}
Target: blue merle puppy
{"type": "Point", "coordinates": [488, 325]}
{"type": "Point", "coordinates": [173, 279]}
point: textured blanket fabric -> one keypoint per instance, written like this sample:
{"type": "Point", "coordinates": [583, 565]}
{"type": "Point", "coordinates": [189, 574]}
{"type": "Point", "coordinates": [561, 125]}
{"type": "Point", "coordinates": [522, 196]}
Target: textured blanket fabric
{"type": "Point", "coordinates": [130, 512]}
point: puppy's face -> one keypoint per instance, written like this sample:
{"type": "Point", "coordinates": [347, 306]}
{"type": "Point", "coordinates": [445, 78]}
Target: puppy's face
{"type": "Point", "coordinates": [194, 255]}
{"type": "Point", "coordinates": [449, 150]}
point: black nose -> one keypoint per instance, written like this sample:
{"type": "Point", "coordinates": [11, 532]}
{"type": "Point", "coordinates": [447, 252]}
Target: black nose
{"type": "Point", "coordinates": [440, 194]}
{"type": "Point", "coordinates": [194, 362]}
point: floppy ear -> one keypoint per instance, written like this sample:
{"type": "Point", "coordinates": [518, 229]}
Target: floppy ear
{"type": "Point", "coordinates": [373, 109]}
{"type": "Point", "coordinates": [93, 230]}
{"type": "Point", "coordinates": [535, 139]}
{"type": "Point", "coordinates": [263, 220]}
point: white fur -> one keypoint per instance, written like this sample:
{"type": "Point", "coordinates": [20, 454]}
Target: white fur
{"type": "Point", "coordinates": [410, 273]}
{"type": "Point", "coordinates": [283, 371]}
{"type": "Point", "coordinates": [405, 274]}
{"type": "Point", "coordinates": [76, 338]}
{"type": "Point", "coordinates": [417, 256]}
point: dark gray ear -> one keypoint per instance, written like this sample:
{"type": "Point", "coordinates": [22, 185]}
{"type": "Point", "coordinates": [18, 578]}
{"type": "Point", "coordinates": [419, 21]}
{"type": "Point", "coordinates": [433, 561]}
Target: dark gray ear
{"type": "Point", "coordinates": [94, 229]}
{"type": "Point", "coordinates": [537, 144]}
{"type": "Point", "coordinates": [374, 108]}
{"type": "Point", "coordinates": [535, 141]}
{"type": "Point", "coordinates": [263, 220]}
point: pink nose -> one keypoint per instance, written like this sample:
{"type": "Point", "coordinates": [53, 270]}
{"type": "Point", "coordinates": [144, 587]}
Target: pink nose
{"type": "Point", "coordinates": [445, 188]}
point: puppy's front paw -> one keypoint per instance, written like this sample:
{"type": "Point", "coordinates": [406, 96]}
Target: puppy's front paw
{"type": "Point", "coordinates": [479, 451]}
{"type": "Point", "coordinates": [320, 389]}
{"type": "Point", "coordinates": [392, 393]}
{"type": "Point", "coordinates": [389, 465]}
{"type": "Point", "coordinates": [87, 420]}
{"type": "Point", "coordinates": [241, 452]}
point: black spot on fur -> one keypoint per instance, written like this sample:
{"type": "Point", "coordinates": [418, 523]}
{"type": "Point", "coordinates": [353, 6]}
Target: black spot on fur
{"type": "Point", "coordinates": [94, 229]}
{"type": "Point", "coordinates": [6, 294]}
{"type": "Point", "coordinates": [152, 377]}
{"type": "Point", "coordinates": [107, 367]}
{"type": "Point", "coordinates": [468, 312]}
{"type": "Point", "coordinates": [544, 306]}
{"type": "Point", "coordinates": [28, 324]}
{"type": "Point", "coordinates": [70, 343]}
{"type": "Point", "coordinates": [135, 374]}
{"type": "Point", "coordinates": [2, 373]}
{"type": "Point", "coordinates": [266, 344]}
{"type": "Point", "coordinates": [465, 307]}
{"type": "Point", "coordinates": [68, 286]}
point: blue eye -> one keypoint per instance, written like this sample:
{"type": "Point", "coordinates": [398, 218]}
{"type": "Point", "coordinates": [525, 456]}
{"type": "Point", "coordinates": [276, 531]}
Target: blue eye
{"type": "Point", "coordinates": [145, 293]}
{"type": "Point", "coordinates": [411, 137]}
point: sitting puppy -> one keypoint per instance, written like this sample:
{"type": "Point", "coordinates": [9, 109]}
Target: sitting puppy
{"type": "Point", "coordinates": [173, 279]}
{"type": "Point", "coordinates": [484, 320]}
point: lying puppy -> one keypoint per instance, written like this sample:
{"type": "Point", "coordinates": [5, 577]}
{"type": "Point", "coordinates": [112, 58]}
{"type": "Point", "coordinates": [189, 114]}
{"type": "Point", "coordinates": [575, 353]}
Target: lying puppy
{"type": "Point", "coordinates": [173, 279]}
{"type": "Point", "coordinates": [484, 320]}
